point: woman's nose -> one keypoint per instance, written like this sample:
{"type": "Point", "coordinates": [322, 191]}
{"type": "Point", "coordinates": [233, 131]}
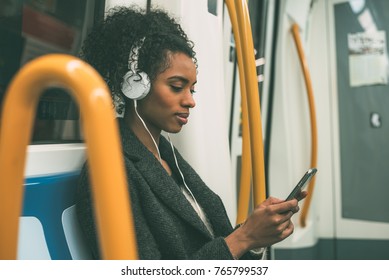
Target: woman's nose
{"type": "Point", "coordinates": [189, 100]}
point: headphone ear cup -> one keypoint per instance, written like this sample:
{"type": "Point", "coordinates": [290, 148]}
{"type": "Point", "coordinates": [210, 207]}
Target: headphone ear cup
{"type": "Point", "coordinates": [136, 86]}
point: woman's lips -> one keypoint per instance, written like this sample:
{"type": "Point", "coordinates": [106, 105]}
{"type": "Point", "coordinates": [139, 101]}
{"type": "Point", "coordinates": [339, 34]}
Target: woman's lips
{"type": "Point", "coordinates": [182, 118]}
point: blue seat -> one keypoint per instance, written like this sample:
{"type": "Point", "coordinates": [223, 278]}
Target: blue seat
{"type": "Point", "coordinates": [48, 226]}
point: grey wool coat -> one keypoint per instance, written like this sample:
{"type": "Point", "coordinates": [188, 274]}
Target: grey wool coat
{"type": "Point", "coordinates": [166, 225]}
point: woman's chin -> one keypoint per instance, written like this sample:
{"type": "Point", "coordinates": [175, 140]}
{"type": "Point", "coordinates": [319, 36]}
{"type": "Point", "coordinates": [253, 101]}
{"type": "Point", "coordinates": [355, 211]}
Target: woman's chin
{"type": "Point", "coordinates": [173, 130]}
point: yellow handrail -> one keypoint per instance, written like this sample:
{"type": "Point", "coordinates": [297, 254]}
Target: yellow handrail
{"type": "Point", "coordinates": [253, 102]}
{"type": "Point", "coordinates": [245, 174]}
{"type": "Point", "coordinates": [109, 189]}
{"type": "Point", "coordinates": [312, 113]}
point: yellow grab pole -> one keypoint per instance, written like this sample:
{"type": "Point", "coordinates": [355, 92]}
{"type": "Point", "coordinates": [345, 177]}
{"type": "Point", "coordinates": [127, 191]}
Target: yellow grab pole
{"type": "Point", "coordinates": [109, 186]}
{"type": "Point", "coordinates": [312, 113]}
{"type": "Point", "coordinates": [253, 102]}
{"type": "Point", "coordinates": [245, 174]}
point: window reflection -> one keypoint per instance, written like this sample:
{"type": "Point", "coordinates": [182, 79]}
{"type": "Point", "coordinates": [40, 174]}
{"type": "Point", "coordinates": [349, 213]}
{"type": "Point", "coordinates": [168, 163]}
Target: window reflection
{"type": "Point", "coordinates": [32, 28]}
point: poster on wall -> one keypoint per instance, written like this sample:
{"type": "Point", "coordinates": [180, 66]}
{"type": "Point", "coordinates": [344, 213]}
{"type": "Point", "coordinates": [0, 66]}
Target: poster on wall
{"type": "Point", "coordinates": [368, 60]}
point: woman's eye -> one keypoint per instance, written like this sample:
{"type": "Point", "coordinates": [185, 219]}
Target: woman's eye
{"type": "Point", "coordinates": [192, 91]}
{"type": "Point", "coordinates": [176, 88]}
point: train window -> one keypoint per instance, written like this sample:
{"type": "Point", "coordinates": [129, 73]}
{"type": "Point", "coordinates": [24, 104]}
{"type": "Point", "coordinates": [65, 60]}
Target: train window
{"type": "Point", "coordinates": [212, 7]}
{"type": "Point", "coordinates": [31, 28]}
{"type": "Point", "coordinates": [57, 118]}
{"type": "Point", "coordinates": [258, 16]}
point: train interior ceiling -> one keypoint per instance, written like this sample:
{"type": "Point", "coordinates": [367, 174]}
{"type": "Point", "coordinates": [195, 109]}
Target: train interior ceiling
{"type": "Point", "coordinates": [322, 76]}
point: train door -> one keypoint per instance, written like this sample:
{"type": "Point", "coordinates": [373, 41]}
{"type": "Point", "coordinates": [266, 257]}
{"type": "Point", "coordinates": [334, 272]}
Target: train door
{"type": "Point", "coordinates": [30, 29]}
{"type": "Point", "coordinates": [346, 50]}
{"type": "Point", "coordinates": [359, 43]}
{"type": "Point", "coordinates": [289, 127]}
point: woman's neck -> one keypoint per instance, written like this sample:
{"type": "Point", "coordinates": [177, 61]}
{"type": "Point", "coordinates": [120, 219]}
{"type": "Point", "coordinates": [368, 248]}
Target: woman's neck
{"type": "Point", "coordinates": [146, 136]}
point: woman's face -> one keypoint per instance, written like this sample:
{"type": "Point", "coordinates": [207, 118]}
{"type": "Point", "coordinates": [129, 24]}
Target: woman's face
{"type": "Point", "coordinates": [167, 105]}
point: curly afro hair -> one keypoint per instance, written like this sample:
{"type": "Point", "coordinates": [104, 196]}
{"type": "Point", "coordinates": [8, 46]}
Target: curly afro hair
{"type": "Point", "coordinates": [108, 45]}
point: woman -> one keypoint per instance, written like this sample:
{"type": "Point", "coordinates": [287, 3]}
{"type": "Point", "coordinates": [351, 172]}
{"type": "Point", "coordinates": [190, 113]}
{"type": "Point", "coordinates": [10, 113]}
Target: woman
{"type": "Point", "coordinates": [150, 66]}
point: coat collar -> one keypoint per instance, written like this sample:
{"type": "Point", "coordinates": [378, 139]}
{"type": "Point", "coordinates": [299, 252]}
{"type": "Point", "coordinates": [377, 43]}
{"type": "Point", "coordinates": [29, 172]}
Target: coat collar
{"type": "Point", "coordinates": [159, 180]}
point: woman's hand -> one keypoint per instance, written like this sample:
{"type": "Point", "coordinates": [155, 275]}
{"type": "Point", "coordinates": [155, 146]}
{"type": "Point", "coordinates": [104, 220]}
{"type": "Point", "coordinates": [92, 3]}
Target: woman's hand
{"type": "Point", "coordinates": [269, 223]}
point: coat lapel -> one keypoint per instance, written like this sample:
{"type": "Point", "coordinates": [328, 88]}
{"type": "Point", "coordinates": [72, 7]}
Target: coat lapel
{"type": "Point", "coordinates": [208, 200]}
{"type": "Point", "coordinates": [159, 181]}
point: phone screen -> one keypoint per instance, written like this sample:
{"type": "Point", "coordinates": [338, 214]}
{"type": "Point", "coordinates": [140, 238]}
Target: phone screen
{"type": "Point", "coordinates": [302, 183]}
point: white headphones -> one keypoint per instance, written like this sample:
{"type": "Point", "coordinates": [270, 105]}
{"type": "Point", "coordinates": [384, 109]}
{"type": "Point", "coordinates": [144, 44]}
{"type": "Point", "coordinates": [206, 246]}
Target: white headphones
{"type": "Point", "coordinates": [136, 85]}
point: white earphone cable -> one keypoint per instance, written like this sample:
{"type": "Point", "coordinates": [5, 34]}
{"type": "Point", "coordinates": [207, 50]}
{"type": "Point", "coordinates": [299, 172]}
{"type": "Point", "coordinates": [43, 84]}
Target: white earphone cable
{"type": "Point", "coordinates": [182, 176]}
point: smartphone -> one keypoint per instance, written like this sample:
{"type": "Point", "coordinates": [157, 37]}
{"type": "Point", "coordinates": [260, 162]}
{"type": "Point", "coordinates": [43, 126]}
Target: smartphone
{"type": "Point", "coordinates": [302, 183]}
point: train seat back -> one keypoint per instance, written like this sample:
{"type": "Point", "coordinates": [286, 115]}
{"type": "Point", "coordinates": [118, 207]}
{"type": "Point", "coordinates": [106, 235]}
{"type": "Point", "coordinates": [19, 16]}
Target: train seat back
{"type": "Point", "coordinates": [49, 227]}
